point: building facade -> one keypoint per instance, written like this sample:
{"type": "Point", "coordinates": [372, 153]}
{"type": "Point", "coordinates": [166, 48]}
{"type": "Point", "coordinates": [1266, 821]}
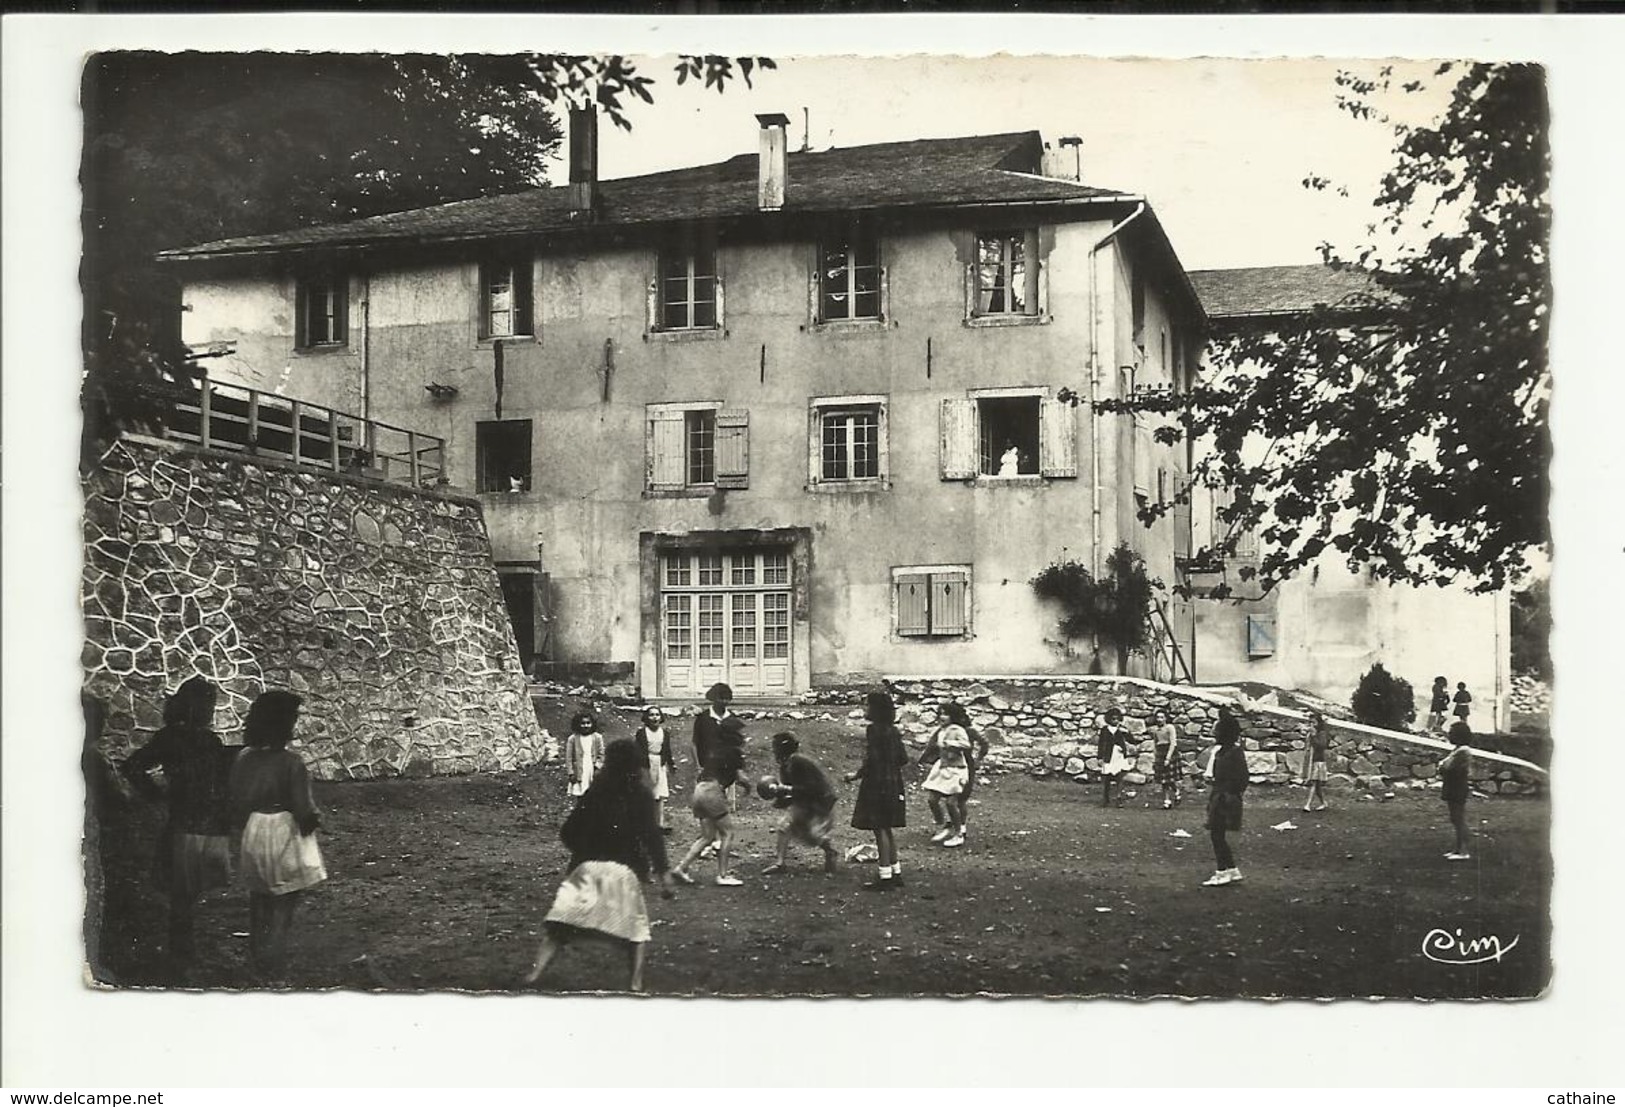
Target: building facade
{"type": "Point", "coordinates": [791, 418]}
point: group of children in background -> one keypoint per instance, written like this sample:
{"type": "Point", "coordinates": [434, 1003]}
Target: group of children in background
{"type": "Point", "coordinates": [615, 833]}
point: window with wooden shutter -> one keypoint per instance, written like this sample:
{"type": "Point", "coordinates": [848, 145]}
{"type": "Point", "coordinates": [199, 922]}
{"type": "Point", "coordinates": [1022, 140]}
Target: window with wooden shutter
{"type": "Point", "coordinates": [505, 298]}
{"type": "Point", "coordinates": [948, 603]}
{"type": "Point", "coordinates": [322, 311]}
{"type": "Point", "coordinates": [913, 599]}
{"type": "Point", "coordinates": [932, 601]}
{"type": "Point", "coordinates": [1057, 439]}
{"type": "Point", "coordinates": [667, 449]}
{"type": "Point", "coordinates": [1260, 635]}
{"type": "Point", "coordinates": [733, 449]}
{"type": "Point", "coordinates": [959, 439]}
{"type": "Point", "coordinates": [1143, 463]}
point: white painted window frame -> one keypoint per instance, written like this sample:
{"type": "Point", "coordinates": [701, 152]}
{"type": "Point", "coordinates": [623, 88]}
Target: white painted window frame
{"type": "Point", "coordinates": [817, 406]}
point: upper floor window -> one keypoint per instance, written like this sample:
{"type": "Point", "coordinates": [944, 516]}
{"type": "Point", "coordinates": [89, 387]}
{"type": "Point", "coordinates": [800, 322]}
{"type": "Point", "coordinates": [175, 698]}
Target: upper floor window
{"type": "Point", "coordinates": [1006, 273]}
{"type": "Point", "coordinates": [1006, 433]}
{"type": "Point", "coordinates": [322, 311]}
{"type": "Point", "coordinates": [850, 279]}
{"type": "Point", "coordinates": [848, 445]}
{"type": "Point", "coordinates": [688, 290]}
{"type": "Point", "coordinates": [696, 447]}
{"type": "Point", "coordinates": [505, 299]}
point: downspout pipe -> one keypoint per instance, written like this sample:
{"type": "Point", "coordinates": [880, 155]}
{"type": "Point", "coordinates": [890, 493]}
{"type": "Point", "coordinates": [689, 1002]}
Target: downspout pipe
{"type": "Point", "coordinates": [1094, 386]}
{"type": "Point", "coordinates": [366, 358]}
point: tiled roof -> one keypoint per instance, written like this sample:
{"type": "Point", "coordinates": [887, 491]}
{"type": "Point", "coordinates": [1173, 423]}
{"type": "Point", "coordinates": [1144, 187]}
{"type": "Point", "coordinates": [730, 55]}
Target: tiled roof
{"type": "Point", "coordinates": [1281, 289]}
{"type": "Point", "coordinates": [922, 172]}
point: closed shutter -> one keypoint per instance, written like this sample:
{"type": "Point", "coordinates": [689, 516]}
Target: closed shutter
{"type": "Point", "coordinates": [1260, 635]}
{"type": "Point", "coordinates": [1142, 458]}
{"type": "Point", "coordinates": [666, 468]}
{"type": "Point", "coordinates": [959, 459]}
{"type": "Point", "coordinates": [912, 600]}
{"type": "Point", "coordinates": [733, 449]}
{"type": "Point", "coordinates": [1057, 439]}
{"type": "Point", "coordinates": [948, 603]}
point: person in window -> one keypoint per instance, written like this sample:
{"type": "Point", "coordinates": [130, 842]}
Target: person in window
{"type": "Point", "coordinates": [723, 768]}
{"type": "Point", "coordinates": [807, 798]}
{"type": "Point", "coordinates": [194, 850]}
{"type": "Point", "coordinates": [614, 844]}
{"type": "Point", "coordinates": [1229, 769]}
{"type": "Point", "coordinates": [272, 803]}
{"type": "Point", "coordinates": [1453, 769]}
{"type": "Point", "coordinates": [1112, 750]}
{"type": "Point", "coordinates": [583, 752]}
{"type": "Point", "coordinates": [655, 746]}
{"type": "Point", "coordinates": [881, 806]}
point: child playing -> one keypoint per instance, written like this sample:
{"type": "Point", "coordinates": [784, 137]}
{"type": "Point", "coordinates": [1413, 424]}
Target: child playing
{"type": "Point", "coordinates": [710, 803]}
{"type": "Point", "coordinates": [1453, 772]}
{"type": "Point", "coordinates": [1463, 700]}
{"type": "Point", "coordinates": [614, 843]}
{"type": "Point", "coordinates": [583, 752]}
{"type": "Point", "coordinates": [1438, 705]}
{"type": "Point", "coordinates": [1165, 737]}
{"type": "Point", "coordinates": [1113, 753]}
{"type": "Point", "coordinates": [807, 799]}
{"type": "Point", "coordinates": [1229, 769]}
{"type": "Point", "coordinates": [1314, 763]}
{"type": "Point", "coordinates": [945, 784]}
{"type": "Point", "coordinates": [655, 746]}
{"type": "Point", "coordinates": [880, 806]}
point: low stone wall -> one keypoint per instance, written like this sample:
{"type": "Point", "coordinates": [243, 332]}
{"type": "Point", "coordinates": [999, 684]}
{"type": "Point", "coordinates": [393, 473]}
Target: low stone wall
{"type": "Point", "coordinates": [1530, 695]}
{"type": "Point", "coordinates": [1046, 727]}
{"type": "Point", "coordinates": [379, 604]}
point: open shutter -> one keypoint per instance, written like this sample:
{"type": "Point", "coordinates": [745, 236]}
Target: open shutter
{"type": "Point", "coordinates": [1180, 514]}
{"type": "Point", "coordinates": [959, 460]}
{"type": "Point", "coordinates": [1057, 439]}
{"type": "Point", "coordinates": [1260, 635]}
{"type": "Point", "coordinates": [1143, 467]}
{"type": "Point", "coordinates": [667, 470]}
{"type": "Point", "coordinates": [912, 600]}
{"type": "Point", "coordinates": [948, 603]}
{"type": "Point", "coordinates": [733, 449]}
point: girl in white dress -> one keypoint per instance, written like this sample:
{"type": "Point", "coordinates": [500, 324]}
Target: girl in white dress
{"type": "Point", "coordinates": [945, 784]}
{"type": "Point", "coordinates": [655, 747]}
{"type": "Point", "coordinates": [583, 752]}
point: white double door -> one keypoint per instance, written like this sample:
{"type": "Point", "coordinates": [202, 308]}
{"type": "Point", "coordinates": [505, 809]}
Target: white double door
{"type": "Point", "coordinates": [725, 616]}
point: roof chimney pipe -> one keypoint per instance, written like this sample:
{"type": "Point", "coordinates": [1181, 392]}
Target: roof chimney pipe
{"type": "Point", "coordinates": [1077, 155]}
{"type": "Point", "coordinates": [583, 162]}
{"type": "Point", "coordinates": [770, 169]}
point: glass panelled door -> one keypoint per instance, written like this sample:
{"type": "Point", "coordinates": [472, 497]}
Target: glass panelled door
{"type": "Point", "coordinates": [725, 617]}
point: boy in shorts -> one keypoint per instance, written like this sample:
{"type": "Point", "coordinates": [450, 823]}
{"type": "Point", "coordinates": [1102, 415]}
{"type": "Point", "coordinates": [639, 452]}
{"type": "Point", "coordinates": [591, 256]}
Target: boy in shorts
{"type": "Point", "coordinates": [807, 798]}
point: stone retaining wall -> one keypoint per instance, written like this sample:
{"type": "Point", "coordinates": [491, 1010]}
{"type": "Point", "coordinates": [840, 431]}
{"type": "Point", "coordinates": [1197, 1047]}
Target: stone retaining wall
{"type": "Point", "coordinates": [379, 604]}
{"type": "Point", "coordinates": [1046, 727]}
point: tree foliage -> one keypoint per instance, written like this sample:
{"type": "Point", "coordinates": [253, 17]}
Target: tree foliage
{"type": "Point", "coordinates": [1405, 429]}
{"type": "Point", "coordinates": [1116, 608]}
{"type": "Point", "coordinates": [1384, 700]}
{"type": "Point", "coordinates": [190, 147]}
{"type": "Point", "coordinates": [1532, 630]}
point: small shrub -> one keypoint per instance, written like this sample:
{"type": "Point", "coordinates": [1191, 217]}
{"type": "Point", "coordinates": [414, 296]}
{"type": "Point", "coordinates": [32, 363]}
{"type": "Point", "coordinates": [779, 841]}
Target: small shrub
{"type": "Point", "coordinates": [1384, 700]}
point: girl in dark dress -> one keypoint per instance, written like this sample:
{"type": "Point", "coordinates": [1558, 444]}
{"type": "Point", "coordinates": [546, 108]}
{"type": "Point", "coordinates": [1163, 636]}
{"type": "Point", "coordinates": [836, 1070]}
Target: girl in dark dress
{"type": "Point", "coordinates": [1112, 751]}
{"type": "Point", "coordinates": [614, 843]}
{"type": "Point", "coordinates": [1453, 773]}
{"type": "Point", "coordinates": [880, 805]}
{"type": "Point", "coordinates": [1224, 801]}
{"type": "Point", "coordinates": [1438, 705]}
{"type": "Point", "coordinates": [1463, 700]}
{"type": "Point", "coordinates": [194, 853]}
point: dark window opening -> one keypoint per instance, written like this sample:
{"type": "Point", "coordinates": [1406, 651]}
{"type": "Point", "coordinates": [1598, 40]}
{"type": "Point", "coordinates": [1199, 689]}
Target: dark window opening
{"type": "Point", "coordinates": [322, 312]}
{"type": "Point", "coordinates": [1009, 436]}
{"type": "Point", "coordinates": [503, 455]}
{"type": "Point", "coordinates": [700, 434]}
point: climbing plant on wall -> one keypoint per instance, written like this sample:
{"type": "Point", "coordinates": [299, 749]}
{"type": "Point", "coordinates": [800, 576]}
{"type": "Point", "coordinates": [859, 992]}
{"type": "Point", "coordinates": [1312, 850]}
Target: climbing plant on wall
{"type": "Point", "coordinates": [1115, 608]}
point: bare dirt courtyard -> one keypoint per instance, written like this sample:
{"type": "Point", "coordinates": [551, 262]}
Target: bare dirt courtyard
{"type": "Point", "coordinates": [442, 884]}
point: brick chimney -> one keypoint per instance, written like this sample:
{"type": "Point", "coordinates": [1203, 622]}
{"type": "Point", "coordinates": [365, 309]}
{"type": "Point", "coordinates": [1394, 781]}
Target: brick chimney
{"type": "Point", "coordinates": [583, 162]}
{"type": "Point", "coordinates": [770, 170]}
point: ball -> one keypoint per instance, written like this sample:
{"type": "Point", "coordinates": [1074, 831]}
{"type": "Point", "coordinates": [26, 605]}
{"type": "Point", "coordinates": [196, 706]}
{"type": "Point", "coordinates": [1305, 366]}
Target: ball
{"type": "Point", "coordinates": [767, 787]}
